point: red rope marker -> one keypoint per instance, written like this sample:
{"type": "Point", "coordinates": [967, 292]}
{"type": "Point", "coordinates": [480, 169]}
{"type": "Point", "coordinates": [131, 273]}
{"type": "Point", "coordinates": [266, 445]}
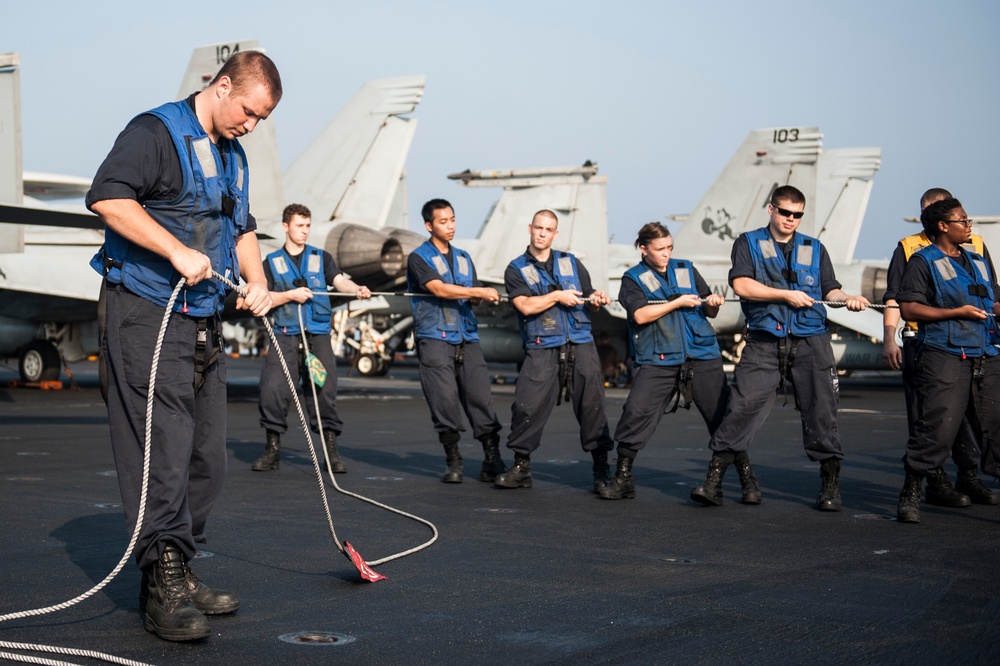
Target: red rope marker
{"type": "Point", "coordinates": [366, 571]}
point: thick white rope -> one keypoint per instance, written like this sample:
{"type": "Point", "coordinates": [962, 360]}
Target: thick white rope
{"type": "Point", "coordinates": [135, 533]}
{"type": "Point", "coordinates": [315, 459]}
{"type": "Point", "coordinates": [90, 654]}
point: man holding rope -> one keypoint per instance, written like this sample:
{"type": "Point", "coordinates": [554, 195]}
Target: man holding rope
{"type": "Point", "coordinates": [453, 371]}
{"type": "Point", "coordinates": [173, 194]}
{"type": "Point", "coordinates": [295, 274]}
{"type": "Point", "coordinates": [553, 296]}
{"type": "Point", "coordinates": [780, 274]}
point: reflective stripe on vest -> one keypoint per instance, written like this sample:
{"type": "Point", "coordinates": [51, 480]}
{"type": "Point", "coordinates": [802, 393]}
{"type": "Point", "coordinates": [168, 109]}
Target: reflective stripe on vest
{"type": "Point", "coordinates": [803, 275]}
{"type": "Point", "coordinates": [679, 335]}
{"type": "Point", "coordinates": [444, 319]}
{"type": "Point", "coordinates": [560, 323]}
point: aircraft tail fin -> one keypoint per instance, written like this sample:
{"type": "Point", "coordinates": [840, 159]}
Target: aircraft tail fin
{"type": "Point", "coordinates": [843, 187]}
{"type": "Point", "coordinates": [577, 195]}
{"type": "Point", "coordinates": [370, 141]}
{"type": "Point", "coordinates": [11, 185]}
{"type": "Point", "coordinates": [267, 198]}
{"type": "Point", "coordinates": [736, 201]}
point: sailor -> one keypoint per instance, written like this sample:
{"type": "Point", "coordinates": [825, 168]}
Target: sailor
{"type": "Point", "coordinates": [951, 293]}
{"type": "Point", "coordinates": [675, 353]}
{"type": "Point", "coordinates": [297, 274]}
{"type": "Point", "coordinates": [453, 371]}
{"type": "Point", "coordinates": [779, 274]}
{"type": "Point", "coordinates": [553, 296]}
{"type": "Point", "coordinates": [965, 450]}
{"type": "Point", "coordinates": [173, 193]}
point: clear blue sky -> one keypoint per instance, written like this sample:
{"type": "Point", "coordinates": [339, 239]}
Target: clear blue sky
{"type": "Point", "coordinates": [660, 94]}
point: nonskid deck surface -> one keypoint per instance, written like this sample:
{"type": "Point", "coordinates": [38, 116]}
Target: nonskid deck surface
{"type": "Point", "coordinates": [549, 575]}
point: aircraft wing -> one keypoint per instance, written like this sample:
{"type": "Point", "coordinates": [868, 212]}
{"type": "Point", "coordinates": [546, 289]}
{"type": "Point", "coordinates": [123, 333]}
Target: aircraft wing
{"type": "Point", "coordinates": [577, 195]}
{"type": "Point", "coordinates": [350, 172]}
{"type": "Point", "coordinates": [49, 217]}
{"type": "Point", "coordinates": [48, 186]}
{"type": "Point", "coordinates": [24, 272]}
{"type": "Point", "coordinates": [868, 323]}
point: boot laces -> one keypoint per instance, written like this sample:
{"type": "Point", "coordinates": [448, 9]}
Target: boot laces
{"type": "Point", "coordinates": [174, 579]}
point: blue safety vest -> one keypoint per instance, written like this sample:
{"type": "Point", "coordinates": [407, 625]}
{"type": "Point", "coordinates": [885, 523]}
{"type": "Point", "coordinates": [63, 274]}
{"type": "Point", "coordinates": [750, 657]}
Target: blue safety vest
{"type": "Point", "coordinates": [771, 270]}
{"type": "Point", "coordinates": [208, 215]}
{"type": "Point", "coordinates": [679, 335]}
{"type": "Point", "coordinates": [440, 318]}
{"type": "Point", "coordinates": [316, 312]}
{"type": "Point", "coordinates": [560, 323]}
{"type": "Point", "coordinates": [953, 288]}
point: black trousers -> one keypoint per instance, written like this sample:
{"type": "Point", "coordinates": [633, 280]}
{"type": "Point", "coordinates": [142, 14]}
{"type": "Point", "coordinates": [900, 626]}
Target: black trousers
{"type": "Point", "coordinates": [275, 396]}
{"type": "Point", "coordinates": [945, 400]}
{"type": "Point", "coordinates": [537, 392]}
{"type": "Point", "coordinates": [654, 387]}
{"type": "Point", "coordinates": [451, 387]}
{"type": "Point", "coordinates": [188, 441]}
{"type": "Point", "coordinates": [814, 377]}
{"type": "Point", "coordinates": [965, 449]}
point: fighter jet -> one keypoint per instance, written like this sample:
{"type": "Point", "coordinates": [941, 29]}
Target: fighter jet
{"type": "Point", "coordinates": [837, 185]}
{"type": "Point", "coordinates": [351, 176]}
{"type": "Point", "coordinates": [47, 291]}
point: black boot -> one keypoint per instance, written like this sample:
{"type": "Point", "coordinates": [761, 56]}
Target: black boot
{"type": "Point", "coordinates": [519, 475]}
{"type": "Point", "coordinates": [908, 509]}
{"type": "Point", "coordinates": [748, 480]}
{"type": "Point", "coordinates": [336, 464]}
{"type": "Point", "coordinates": [710, 494]}
{"type": "Point", "coordinates": [206, 599]}
{"type": "Point", "coordinates": [829, 493]}
{"type": "Point", "coordinates": [169, 612]}
{"type": "Point", "coordinates": [492, 461]}
{"type": "Point", "coordinates": [602, 471]}
{"type": "Point", "coordinates": [940, 492]}
{"type": "Point", "coordinates": [209, 600]}
{"type": "Point", "coordinates": [454, 459]}
{"type": "Point", "coordinates": [272, 451]}
{"type": "Point", "coordinates": [621, 487]}
{"type": "Point", "coordinates": [969, 484]}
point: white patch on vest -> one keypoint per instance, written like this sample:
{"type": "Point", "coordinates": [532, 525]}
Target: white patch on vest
{"type": "Point", "coordinates": [531, 276]}
{"type": "Point", "coordinates": [767, 248]}
{"type": "Point", "coordinates": [463, 265]}
{"type": "Point", "coordinates": [945, 269]}
{"type": "Point", "coordinates": [203, 151]}
{"type": "Point", "coordinates": [981, 267]}
{"type": "Point", "coordinates": [440, 265]}
{"type": "Point", "coordinates": [280, 265]}
{"type": "Point", "coordinates": [314, 263]}
{"type": "Point", "coordinates": [683, 278]}
{"type": "Point", "coordinates": [804, 257]}
{"type": "Point", "coordinates": [565, 266]}
{"type": "Point", "coordinates": [650, 281]}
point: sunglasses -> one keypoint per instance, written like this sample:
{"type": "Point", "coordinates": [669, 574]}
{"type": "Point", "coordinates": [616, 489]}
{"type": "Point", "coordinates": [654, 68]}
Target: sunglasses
{"type": "Point", "coordinates": [787, 213]}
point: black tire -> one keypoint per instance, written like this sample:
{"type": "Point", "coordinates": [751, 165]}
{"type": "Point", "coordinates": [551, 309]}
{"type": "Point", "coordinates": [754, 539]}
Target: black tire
{"type": "Point", "coordinates": [40, 362]}
{"type": "Point", "coordinates": [368, 365]}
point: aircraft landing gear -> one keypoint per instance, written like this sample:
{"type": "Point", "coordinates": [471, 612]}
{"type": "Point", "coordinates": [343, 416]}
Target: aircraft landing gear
{"type": "Point", "coordinates": [370, 365]}
{"type": "Point", "coordinates": [40, 362]}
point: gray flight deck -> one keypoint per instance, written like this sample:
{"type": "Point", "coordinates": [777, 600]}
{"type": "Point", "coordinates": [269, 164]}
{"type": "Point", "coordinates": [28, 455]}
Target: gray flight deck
{"type": "Point", "coordinates": [551, 575]}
